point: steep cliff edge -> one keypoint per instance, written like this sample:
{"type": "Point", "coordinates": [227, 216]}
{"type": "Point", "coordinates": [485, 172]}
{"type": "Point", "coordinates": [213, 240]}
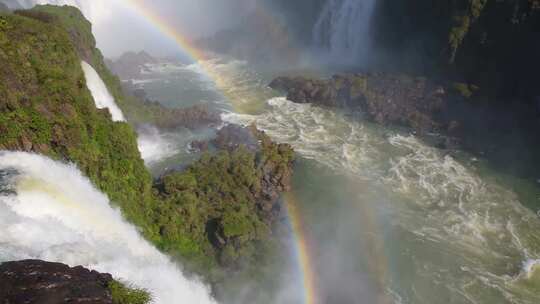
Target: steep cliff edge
{"type": "Point", "coordinates": [492, 44]}
{"type": "Point", "coordinates": [45, 107]}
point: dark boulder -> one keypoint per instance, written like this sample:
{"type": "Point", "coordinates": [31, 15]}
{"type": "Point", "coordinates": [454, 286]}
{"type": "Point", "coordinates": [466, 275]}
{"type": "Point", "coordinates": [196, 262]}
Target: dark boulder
{"type": "Point", "coordinates": [198, 146]}
{"type": "Point", "coordinates": [39, 282]}
{"type": "Point", "coordinates": [232, 136]}
{"type": "Point", "coordinates": [384, 98]}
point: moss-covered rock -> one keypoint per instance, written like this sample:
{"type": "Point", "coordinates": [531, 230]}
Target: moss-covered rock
{"type": "Point", "coordinates": [228, 202]}
{"type": "Point", "coordinates": [46, 108]}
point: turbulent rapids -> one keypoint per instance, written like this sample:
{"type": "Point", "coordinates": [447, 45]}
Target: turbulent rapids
{"type": "Point", "coordinates": [433, 227]}
{"type": "Point", "coordinates": [49, 211]}
{"type": "Point", "coordinates": [377, 214]}
{"type": "Point", "coordinates": [459, 229]}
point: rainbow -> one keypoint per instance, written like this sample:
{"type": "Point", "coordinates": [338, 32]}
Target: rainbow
{"type": "Point", "coordinates": [203, 59]}
{"type": "Point", "coordinates": [303, 250]}
{"type": "Point", "coordinates": [302, 247]}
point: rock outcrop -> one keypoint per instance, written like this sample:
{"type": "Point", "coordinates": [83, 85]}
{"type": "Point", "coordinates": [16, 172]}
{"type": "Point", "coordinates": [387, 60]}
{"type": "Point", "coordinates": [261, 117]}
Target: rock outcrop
{"type": "Point", "coordinates": [230, 199]}
{"type": "Point", "coordinates": [34, 281]}
{"type": "Point", "coordinates": [131, 65]}
{"type": "Point", "coordinates": [143, 110]}
{"type": "Point", "coordinates": [383, 98]}
{"type": "Point", "coordinates": [492, 44]}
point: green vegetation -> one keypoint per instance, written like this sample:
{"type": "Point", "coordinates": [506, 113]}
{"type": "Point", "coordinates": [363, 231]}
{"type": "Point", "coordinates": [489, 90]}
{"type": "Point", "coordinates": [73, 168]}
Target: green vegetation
{"type": "Point", "coordinates": [458, 33]}
{"type": "Point", "coordinates": [217, 201]}
{"type": "Point", "coordinates": [123, 294]}
{"type": "Point", "coordinates": [465, 90]}
{"type": "Point", "coordinates": [45, 107]}
{"type": "Point", "coordinates": [80, 31]}
{"type": "Point", "coordinates": [463, 25]}
{"type": "Point", "coordinates": [208, 216]}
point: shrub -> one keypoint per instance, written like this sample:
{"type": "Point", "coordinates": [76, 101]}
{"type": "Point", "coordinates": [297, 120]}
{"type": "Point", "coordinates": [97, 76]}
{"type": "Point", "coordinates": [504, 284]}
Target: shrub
{"type": "Point", "coordinates": [125, 294]}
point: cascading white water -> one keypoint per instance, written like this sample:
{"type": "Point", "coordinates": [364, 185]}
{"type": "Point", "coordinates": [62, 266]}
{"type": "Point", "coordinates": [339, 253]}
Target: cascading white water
{"type": "Point", "coordinates": [155, 146]}
{"type": "Point", "coordinates": [342, 29]}
{"type": "Point", "coordinates": [49, 211]}
{"type": "Point", "coordinates": [101, 95]}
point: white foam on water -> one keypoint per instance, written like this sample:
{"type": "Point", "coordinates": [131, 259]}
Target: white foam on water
{"type": "Point", "coordinates": [530, 266]}
{"type": "Point", "coordinates": [438, 199]}
{"type": "Point", "coordinates": [317, 134]}
{"type": "Point", "coordinates": [155, 145]}
{"type": "Point", "coordinates": [57, 215]}
{"type": "Point", "coordinates": [100, 93]}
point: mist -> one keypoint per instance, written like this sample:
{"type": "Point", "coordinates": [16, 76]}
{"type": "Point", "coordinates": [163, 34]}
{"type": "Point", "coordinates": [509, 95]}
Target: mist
{"type": "Point", "coordinates": [119, 27]}
{"type": "Point", "coordinates": [76, 224]}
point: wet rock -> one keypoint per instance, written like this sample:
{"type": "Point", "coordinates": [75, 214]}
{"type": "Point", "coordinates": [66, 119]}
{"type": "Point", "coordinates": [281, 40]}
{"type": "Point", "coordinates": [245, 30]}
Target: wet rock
{"type": "Point", "coordinates": [384, 98]}
{"type": "Point", "coordinates": [131, 65]}
{"type": "Point", "coordinates": [26, 144]}
{"type": "Point", "coordinates": [39, 282]}
{"type": "Point", "coordinates": [198, 146]}
{"type": "Point", "coordinates": [232, 136]}
{"type": "Point", "coordinates": [238, 190]}
{"type": "Point", "coordinates": [191, 118]}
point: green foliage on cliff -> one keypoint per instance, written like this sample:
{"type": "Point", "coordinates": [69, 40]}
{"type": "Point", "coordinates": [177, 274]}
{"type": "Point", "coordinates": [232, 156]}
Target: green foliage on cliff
{"type": "Point", "coordinates": [214, 201]}
{"type": "Point", "coordinates": [463, 24]}
{"type": "Point", "coordinates": [45, 107]}
{"type": "Point", "coordinates": [123, 294]}
{"type": "Point", "coordinates": [80, 31]}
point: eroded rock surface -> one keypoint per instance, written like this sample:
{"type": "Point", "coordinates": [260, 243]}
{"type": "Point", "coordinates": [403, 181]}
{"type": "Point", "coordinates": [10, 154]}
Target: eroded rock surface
{"type": "Point", "coordinates": [384, 98]}
{"type": "Point", "coordinates": [39, 282]}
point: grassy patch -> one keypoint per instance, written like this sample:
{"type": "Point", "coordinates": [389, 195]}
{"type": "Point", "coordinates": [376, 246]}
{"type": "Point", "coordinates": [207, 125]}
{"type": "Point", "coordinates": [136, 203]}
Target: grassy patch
{"type": "Point", "coordinates": [124, 294]}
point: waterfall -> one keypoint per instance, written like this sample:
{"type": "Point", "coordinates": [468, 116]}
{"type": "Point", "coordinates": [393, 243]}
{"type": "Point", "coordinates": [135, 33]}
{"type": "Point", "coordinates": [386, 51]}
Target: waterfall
{"type": "Point", "coordinates": [342, 30]}
{"type": "Point", "coordinates": [50, 211]}
{"type": "Point", "coordinates": [101, 95]}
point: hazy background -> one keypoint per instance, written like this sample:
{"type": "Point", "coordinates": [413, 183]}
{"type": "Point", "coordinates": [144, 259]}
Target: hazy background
{"type": "Point", "coordinates": [191, 18]}
{"type": "Point", "coordinates": [119, 27]}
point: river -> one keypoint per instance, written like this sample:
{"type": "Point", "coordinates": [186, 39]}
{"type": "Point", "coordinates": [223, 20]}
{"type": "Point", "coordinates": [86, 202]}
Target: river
{"type": "Point", "coordinates": [391, 218]}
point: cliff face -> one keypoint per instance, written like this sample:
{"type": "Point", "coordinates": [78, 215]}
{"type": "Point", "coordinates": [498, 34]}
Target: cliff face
{"type": "Point", "coordinates": [46, 108]}
{"type": "Point", "coordinates": [228, 202]}
{"type": "Point", "coordinates": [130, 65]}
{"type": "Point", "coordinates": [491, 44]}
